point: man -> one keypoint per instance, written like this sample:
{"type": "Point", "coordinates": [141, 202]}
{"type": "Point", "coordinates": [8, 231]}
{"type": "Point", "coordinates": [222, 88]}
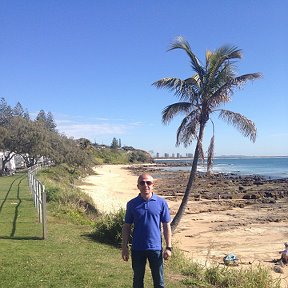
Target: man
{"type": "Point", "coordinates": [147, 211]}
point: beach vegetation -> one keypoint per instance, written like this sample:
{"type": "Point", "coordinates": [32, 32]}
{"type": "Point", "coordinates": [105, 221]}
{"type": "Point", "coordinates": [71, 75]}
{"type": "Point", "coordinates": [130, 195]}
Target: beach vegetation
{"type": "Point", "coordinates": [108, 228]}
{"type": "Point", "coordinates": [201, 96]}
{"type": "Point", "coordinates": [197, 275]}
{"type": "Point", "coordinates": [65, 199]}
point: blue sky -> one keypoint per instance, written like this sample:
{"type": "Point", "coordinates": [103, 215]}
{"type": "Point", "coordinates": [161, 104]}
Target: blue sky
{"type": "Point", "coordinates": [92, 64]}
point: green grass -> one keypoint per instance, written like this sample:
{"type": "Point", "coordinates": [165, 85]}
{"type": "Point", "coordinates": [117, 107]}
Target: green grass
{"type": "Point", "coordinates": [18, 216]}
{"type": "Point", "coordinates": [68, 258]}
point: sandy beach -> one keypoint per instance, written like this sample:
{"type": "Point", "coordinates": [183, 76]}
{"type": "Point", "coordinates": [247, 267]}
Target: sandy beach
{"type": "Point", "coordinates": [111, 187]}
{"type": "Point", "coordinates": [211, 228]}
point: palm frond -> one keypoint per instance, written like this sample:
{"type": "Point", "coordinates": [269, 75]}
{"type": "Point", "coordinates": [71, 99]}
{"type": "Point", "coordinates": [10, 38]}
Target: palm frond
{"type": "Point", "coordinates": [223, 93]}
{"type": "Point", "coordinates": [181, 88]}
{"type": "Point", "coordinates": [174, 109]}
{"type": "Point", "coordinates": [221, 96]}
{"type": "Point", "coordinates": [210, 156]}
{"type": "Point", "coordinates": [238, 81]}
{"type": "Point", "coordinates": [243, 124]}
{"type": "Point", "coordinates": [187, 131]}
{"type": "Point", "coordinates": [208, 56]}
{"type": "Point", "coordinates": [201, 151]}
{"type": "Point", "coordinates": [229, 52]}
{"type": "Point", "coordinates": [219, 67]}
{"type": "Point", "coordinates": [181, 43]}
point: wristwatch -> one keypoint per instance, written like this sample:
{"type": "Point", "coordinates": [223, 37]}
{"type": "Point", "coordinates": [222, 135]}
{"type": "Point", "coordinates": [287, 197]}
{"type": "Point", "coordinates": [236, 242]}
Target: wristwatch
{"type": "Point", "coordinates": [169, 248]}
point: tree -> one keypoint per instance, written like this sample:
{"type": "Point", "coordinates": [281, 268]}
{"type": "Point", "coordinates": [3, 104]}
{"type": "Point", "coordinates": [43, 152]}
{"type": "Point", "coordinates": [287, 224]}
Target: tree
{"type": "Point", "coordinates": [26, 138]}
{"type": "Point", "coordinates": [47, 119]}
{"type": "Point", "coordinates": [50, 123]}
{"type": "Point", "coordinates": [200, 96]}
{"type": "Point", "coordinates": [114, 144]}
{"type": "Point", "coordinates": [6, 112]}
{"type": "Point", "coordinates": [18, 111]}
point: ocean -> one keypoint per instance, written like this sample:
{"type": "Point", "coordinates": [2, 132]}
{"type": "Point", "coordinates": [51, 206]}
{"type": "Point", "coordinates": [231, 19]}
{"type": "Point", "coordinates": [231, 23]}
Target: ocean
{"type": "Point", "coordinates": [269, 167]}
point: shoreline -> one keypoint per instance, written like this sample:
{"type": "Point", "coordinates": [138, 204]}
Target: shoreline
{"type": "Point", "coordinates": [267, 167]}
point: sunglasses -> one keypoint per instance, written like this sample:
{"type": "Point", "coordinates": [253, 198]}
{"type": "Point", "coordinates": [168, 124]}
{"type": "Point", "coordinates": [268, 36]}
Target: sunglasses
{"type": "Point", "coordinates": [142, 183]}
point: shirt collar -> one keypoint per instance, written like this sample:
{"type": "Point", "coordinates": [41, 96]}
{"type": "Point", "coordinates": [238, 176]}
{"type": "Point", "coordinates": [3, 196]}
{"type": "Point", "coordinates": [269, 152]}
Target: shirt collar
{"type": "Point", "coordinates": [153, 198]}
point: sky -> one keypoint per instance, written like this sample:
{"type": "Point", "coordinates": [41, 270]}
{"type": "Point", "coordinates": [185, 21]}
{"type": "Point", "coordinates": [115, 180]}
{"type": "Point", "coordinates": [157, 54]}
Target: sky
{"type": "Point", "coordinates": [92, 64]}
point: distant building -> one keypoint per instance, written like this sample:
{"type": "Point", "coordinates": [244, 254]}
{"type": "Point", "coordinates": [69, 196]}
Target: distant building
{"type": "Point", "coordinates": [157, 155]}
{"type": "Point", "coordinates": [166, 155]}
{"type": "Point", "coordinates": [10, 164]}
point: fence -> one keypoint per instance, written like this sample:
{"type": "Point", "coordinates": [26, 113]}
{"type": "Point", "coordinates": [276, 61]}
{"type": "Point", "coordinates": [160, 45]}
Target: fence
{"type": "Point", "coordinates": [38, 191]}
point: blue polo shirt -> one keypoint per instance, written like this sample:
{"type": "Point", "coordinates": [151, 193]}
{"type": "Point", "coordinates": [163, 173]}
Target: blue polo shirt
{"type": "Point", "coordinates": [147, 217]}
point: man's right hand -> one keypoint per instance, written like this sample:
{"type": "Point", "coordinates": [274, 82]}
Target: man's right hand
{"type": "Point", "coordinates": [125, 253]}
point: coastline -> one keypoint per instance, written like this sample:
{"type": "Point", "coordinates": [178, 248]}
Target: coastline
{"type": "Point", "coordinates": [253, 227]}
{"type": "Point", "coordinates": [268, 167]}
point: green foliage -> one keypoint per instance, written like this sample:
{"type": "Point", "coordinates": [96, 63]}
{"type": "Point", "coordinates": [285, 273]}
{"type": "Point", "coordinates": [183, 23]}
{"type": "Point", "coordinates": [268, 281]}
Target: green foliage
{"type": "Point", "coordinates": [139, 156]}
{"type": "Point", "coordinates": [199, 276]}
{"type": "Point", "coordinates": [111, 156]}
{"type": "Point", "coordinates": [108, 228]}
{"type": "Point", "coordinates": [52, 194]}
{"type": "Point", "coordinates": [39, 139]}
{"type": "Point", "coordinates": [64, 197]}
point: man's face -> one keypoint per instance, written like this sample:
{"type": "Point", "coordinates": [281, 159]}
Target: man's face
{"type": "Point", "coordinates": [145, 185]}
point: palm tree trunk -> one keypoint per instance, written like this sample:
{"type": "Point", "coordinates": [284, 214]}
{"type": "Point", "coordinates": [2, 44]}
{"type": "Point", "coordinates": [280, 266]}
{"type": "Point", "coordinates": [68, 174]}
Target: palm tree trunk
{"type": "Point", "coordinates": [181, 210]}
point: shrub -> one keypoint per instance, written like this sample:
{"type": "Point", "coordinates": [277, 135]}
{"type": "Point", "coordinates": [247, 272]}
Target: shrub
{"type": "Point", "coordinates": [108, 228]}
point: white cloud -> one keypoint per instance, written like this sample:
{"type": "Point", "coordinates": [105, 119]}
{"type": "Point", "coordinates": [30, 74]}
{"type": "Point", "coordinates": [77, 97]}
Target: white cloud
{"type": "Point", "coordinates": [98, 127]}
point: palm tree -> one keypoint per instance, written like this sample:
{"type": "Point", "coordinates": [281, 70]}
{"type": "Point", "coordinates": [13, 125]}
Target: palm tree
{"type": "Point", "coordinates": [201, 96]}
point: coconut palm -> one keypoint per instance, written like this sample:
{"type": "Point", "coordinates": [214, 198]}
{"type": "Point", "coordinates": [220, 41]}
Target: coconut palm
{"type": "Point", "coordinates": [200, 96]}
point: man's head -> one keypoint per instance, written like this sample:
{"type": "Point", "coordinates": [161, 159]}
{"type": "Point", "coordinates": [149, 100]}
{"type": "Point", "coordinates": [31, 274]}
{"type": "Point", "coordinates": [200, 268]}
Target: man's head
{"type": "Point", "coordinates": [145, 185]}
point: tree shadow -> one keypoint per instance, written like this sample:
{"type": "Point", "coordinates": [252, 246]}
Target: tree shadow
{"type": "Point", "coordinates": [21, 238]}
{"type": "Point", "coordinates": [9, 190]}
{"type": "Point", "coordinates": [16, 213]}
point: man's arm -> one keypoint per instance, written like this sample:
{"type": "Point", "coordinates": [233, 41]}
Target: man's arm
{"type": "Point", "coordinates": [168, 239]}
{"type": "Point", "coordinates": [126, 230]}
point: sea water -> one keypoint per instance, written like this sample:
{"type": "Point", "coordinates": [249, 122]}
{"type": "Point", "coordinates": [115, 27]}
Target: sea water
{"type": "Point", "coordinates": [270, 167]}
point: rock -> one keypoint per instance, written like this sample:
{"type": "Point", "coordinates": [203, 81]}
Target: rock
{"type": "Point", "coordinates": [278, 269]}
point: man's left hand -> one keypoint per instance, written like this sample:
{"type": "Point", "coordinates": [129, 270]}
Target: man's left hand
{"type": "Point", "coordinates": [167, 254]}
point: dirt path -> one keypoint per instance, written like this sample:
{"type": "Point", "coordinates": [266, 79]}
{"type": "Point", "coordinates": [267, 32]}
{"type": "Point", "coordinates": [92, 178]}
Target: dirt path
{"type": "Point", "coordinates": [210, 229]}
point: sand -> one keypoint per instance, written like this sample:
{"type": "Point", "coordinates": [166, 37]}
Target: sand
{"type": "Point", "coordinates": [210, 229]}
{"type": "Point", "coordinates": [111, 187]}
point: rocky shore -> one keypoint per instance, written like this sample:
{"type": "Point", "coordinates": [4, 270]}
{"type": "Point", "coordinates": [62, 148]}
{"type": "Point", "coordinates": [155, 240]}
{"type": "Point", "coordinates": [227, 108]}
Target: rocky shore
{"type": "Point", "coordinates": [216, 186]}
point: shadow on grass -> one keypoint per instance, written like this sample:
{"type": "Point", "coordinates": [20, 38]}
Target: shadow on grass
{"type": "Point", "coordinates": [17, 181]}
{"type": "Point", "coordinates": [9, 190]}
{"type": "Point", "coordinates": [93, 238]}
{"type": "Point", "coordinates": [21, 238]}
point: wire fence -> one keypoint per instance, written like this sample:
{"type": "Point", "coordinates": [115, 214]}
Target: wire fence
{"type": "Point", "coordinates": [39, 195]}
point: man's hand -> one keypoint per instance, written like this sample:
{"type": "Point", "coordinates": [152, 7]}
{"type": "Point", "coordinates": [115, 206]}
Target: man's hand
{"type": "Point", "coordinates": [167, 254]}
{"type": "Point", "coordinates": [125, 253]}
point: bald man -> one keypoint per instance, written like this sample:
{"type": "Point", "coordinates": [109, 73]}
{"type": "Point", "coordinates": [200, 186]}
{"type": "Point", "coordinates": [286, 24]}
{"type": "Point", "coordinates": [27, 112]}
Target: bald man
{"type": "Point", "coordinates": [147, 211]}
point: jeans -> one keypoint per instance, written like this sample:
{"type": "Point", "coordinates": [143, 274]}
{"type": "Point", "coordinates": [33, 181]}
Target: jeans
{"type": "Point", "coordinates": [155, 260]}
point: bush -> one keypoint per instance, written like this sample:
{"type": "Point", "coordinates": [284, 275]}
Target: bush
{"type": "Point", "coordinates": [52, 194]}
{"type": "Point", "coordinates": [65, 198]}
{"type": "Point", "coordinates": [108, 228]}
